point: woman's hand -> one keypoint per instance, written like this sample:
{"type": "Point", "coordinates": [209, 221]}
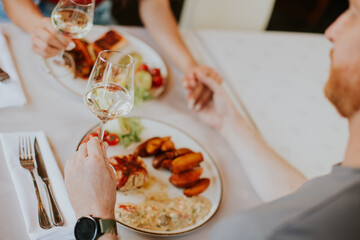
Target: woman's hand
{"type": "Point", "coordinates": [90, 181]}
{"type": "Point", "coordinates": [46, 40]}
{"type": "Point", "coordinates": [207, 97]}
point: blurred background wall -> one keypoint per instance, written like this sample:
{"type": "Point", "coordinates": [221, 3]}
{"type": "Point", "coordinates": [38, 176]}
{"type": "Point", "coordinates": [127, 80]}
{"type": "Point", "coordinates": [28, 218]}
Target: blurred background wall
{"type": "Point", "coordinates": [281, 15]}
{"type": "Point", "coordinates": [305, 15]}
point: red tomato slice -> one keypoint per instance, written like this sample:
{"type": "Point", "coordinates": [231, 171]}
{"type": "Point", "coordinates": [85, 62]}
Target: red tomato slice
{"type": "Point", "coordinates": [143, 67]}
{"type": "Point", "coordinates": [155, 72]}
{"type": "Point", "coordinates": [157, 81]}
{"type": "Point", "coordinates": [112, 139]}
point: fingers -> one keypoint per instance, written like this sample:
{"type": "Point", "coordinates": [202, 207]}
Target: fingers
{"type": "Point", "coordinates": [44, 50]}
{"type": "Point", "coordinates": [104, 146]}
{"type": "Point", "coordinates": [97, 151]}
{"type": "Point", "coordinates": [94, 149]}
{"type": "Point", "coordinates": [46, 40]}
{"type": "Point", "coordinates": [61, 40]}
{"type": "Point", "coordinates": [50, 38]}
{"type": "Point", "coordinates": [208, 76]}
{"type": "Point", "coordinates": [109, 166]}
{"type": "Point", "coordinates": [189, 82]}
{"type": "Point", "coordinates": [194, 95]}
{"type": "Point", "coordinates": [80, 154]}
{"type": "Point", "coordinates": [204, 99]}
{"type": "Point", "coordinates": [201, 100]}
{"type": "Point", "coordinates": [83, 150]}
{"type": "Point", "coordinates": [73, 163]}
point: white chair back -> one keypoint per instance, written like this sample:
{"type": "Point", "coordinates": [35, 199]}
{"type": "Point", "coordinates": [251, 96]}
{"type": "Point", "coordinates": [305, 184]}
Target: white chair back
{"type": "Point", "coordinates": [226, 14]}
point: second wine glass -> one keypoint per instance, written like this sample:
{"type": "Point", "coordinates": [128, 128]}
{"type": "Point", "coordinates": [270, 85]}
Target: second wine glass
{"type": "Point", "coordinates": [110, 89]}
{"type": "Point", "coordinates": [73, 18]}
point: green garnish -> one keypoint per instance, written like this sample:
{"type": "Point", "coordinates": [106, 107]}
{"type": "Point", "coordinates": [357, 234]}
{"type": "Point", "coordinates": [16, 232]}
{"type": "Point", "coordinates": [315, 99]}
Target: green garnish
{"type": "Point", "coordinates": [128, 129]}
{"type": "Point", "coordinates": [141, 95]}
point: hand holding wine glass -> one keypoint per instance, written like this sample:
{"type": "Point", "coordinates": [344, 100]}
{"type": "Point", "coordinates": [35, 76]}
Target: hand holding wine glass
{"type": "Point", "coordinates": [110, 89]}
{"type": "Point", "coordinates": [46, 40]}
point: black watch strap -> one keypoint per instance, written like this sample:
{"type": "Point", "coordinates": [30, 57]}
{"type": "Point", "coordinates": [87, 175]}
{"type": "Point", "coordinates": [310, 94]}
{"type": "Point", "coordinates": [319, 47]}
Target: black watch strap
{"type": "Point", "coordinates": [107, 226]}
{"type": "Point", "coordinates": [91, 228]}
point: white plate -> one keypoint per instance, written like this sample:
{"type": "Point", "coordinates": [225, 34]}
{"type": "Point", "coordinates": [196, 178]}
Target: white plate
{"type": "Point", "coordinates": [153, 128]}
{"type": "Point", "coordinates": [150, 58]}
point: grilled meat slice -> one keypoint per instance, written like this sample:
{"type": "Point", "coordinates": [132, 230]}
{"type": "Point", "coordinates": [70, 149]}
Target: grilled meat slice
{"type": "Point", "coordinates": [131, 172]}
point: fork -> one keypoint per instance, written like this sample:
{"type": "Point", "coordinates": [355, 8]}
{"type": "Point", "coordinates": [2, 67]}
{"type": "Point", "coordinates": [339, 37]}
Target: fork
{"type": "Point", "coordinates": [26, 157]}
{"type": "Point", "coordinates": [3, 76]}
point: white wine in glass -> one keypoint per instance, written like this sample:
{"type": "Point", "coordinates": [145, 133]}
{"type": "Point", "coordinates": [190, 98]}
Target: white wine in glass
{"type": "Point", "coordinates": [72, 22]}
{"type": "Point", "coordinates": [73, 18]}
{"type": "Point", "coordinates": [110, 89]}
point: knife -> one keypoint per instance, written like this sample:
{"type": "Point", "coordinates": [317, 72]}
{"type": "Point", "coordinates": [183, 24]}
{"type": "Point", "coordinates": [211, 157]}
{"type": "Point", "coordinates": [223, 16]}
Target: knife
{"type": "Point", "coordinates": [55, 213]}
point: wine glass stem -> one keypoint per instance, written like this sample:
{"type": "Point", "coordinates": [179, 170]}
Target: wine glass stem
{"type": "Point", "coordinates": [59, 57]}
{"type": "Point", "coordinates": [102, 130]}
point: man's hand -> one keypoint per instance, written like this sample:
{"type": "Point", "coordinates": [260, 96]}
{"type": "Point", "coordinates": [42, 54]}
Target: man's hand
{"type": "Point", "coordinates": [90, 181]}
{"type": "Point", "coordinates": [46, 40]}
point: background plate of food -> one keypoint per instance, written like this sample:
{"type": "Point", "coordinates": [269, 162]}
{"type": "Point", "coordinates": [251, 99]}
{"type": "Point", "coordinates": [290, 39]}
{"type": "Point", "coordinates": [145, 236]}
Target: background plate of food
{"type": "Point", "coordinates": [151, 73]}
{"type": "Point", "coordinates": [167, 184]}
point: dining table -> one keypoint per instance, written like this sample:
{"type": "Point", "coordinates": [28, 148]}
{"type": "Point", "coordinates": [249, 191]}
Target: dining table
{"type": "Point", "coordinates": [274, 78]}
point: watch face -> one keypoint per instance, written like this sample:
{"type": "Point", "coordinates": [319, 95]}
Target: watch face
{"type": "Point", "coordinates": [85, 229]}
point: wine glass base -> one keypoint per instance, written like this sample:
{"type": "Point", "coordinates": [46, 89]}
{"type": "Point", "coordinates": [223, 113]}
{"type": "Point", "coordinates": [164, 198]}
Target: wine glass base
{"type": "Point", "coordinates": [65, 66]}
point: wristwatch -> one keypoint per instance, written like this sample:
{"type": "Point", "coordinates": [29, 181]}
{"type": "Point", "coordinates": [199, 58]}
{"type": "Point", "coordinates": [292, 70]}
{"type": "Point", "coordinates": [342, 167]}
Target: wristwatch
{"type": "Point", "coordinates": [91, 228]}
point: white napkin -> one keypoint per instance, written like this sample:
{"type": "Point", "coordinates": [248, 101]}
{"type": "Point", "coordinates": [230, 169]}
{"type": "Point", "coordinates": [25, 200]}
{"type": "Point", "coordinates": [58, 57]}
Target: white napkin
{"type": "Point", "coordinates": [25, 189]}
{"type": "Point", "coordinates": [11, 93]}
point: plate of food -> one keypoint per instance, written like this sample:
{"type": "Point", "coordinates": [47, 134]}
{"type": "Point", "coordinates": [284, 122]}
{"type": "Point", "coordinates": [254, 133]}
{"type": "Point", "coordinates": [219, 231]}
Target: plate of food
{"type": "Point", "coordinates": [167, 184]}
{"type": "Point", "coordinates": [151, 74]}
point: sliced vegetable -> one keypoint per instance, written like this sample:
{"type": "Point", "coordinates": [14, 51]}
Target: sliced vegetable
{"type": "Point", "coordinates": [128, 129]}
{"type": "Point", "coordinates": [143, 79]}
{"type": "Point", "coordinates": [138, 59]}
{"type": "Point", "coordinates": [124, 126]}
{"type": "Point", "coordinates": [142, 95]}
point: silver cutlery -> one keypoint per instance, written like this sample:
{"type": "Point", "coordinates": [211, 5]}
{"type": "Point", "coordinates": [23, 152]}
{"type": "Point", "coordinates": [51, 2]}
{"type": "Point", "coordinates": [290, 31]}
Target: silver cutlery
{"type": "Point", "coordinates": [3, 76]}
{"type": "Point", "coordinates": [55, 213]}
{"type": "Point", "coordinates": [26, 157]}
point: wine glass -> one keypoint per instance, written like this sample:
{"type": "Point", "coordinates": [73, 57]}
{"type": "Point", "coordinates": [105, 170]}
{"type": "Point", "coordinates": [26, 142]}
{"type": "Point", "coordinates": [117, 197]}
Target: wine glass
{"type": "Point", "coordinates": [110, 89]}
{"type": "Point", "coordinates": [73, 18]}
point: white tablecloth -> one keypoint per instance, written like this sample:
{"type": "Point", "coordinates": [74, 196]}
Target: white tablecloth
{"type": "Point", "coordinates": [279, 77]}
{"type": "Point", "coordinates": [64, 118]}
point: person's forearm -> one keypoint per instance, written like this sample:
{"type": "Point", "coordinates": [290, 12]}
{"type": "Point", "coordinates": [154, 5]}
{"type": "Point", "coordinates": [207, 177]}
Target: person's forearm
{"type": "Point", "coordinates": [23, 13]}
{"type": "Point", "coordinates": [161, 24]}
{"type": "Point", "coordinates": [270, 175]}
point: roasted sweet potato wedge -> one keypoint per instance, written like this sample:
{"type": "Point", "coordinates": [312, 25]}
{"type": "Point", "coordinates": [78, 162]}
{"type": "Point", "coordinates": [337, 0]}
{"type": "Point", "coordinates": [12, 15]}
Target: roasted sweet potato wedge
{"type": "Point", "coordinates": [141, 149]}
{"type": "Point", "coordinates": [167, 146]}
{"type": "Point", "coordinates": [186, 162]}
{"type": "Point", "coordinates": [166, 163]}
{"type": "Point", "coordinates": [158, 159]}
{"type": "Point", "coordinates": [166, 138]}
{"type": "Point", "coordinates": [201, 185]}
{"type": "Point", "coordinates": [181, 151]}
{"type": "Point", "coordinates": [168, 156]}
{"type": "Point", "coordinates": [153, 145]}
{"type": "Point", "coordinates": [186, 179]}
